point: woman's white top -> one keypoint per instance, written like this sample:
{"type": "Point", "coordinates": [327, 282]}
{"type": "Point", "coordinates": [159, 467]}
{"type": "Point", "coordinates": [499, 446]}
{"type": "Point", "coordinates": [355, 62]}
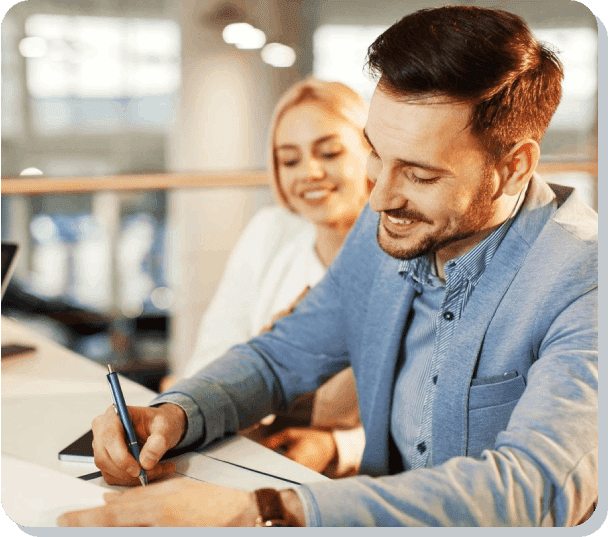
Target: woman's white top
{"type": "Point", "coordinates": [273, 261]}
{"type": "Point", "coordinates": [271, 264]}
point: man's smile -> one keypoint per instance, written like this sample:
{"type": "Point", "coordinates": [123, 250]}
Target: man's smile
{"type": "Point", "coordinates": [399, 221]}
{"type": "Point", "coordinates": [397, 228]}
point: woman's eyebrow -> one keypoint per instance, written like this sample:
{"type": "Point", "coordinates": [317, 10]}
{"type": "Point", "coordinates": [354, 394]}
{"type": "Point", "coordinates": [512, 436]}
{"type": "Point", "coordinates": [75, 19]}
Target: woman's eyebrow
{"type": "Point", "coordinates": [318, 141]}
{"type": "Point", "coordinates": [286, 147]}
{"type": "Point", "coordinates": [325, 138]}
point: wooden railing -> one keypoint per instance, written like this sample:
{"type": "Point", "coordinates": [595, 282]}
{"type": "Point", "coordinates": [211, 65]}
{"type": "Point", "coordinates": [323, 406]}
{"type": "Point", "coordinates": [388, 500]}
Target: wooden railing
{"type": "Point", "coordinates": [168, 181]}
{"type": "Point", "coordinates": [148, 181]}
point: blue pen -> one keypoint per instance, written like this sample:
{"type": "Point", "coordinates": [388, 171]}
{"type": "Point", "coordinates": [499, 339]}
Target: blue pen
{"type": "Point", "coordinates": [120, 407]}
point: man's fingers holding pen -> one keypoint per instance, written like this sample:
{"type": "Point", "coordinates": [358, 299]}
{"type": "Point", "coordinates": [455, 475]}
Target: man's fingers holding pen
{"type": "Point", "coordinates": [157, 429]}
{"type": "Point", "coordinates": [164, 427]}
{"type": "Point", "coordinates": [109, 448]}
{"type": "Point", "coordinates": [160, 471]}
{"type": "Point", "coordinates": [155, 447]}
{"type": "Point", "coordinates": [115, 474]}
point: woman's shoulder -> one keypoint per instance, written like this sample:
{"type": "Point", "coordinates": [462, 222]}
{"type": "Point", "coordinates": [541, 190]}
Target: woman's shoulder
{"type": "Point", "coordinates": [269, 232]}
{"type": "Point", "coordinates": [279, 225]}
{"type": "Point", "coordinates": [276, 213]}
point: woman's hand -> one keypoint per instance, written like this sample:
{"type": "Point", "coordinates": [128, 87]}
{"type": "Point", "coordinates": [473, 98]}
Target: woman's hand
{"type": "Point", "coordinates": [287, 311]}
{"type": "Point", "coordinates": [314, 448]}
{"type": "Point", "coordinates": [158, 429]}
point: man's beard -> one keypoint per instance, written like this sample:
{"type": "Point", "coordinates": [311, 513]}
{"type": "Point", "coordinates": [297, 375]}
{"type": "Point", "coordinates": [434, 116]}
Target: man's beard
{"type": "Point", "coordinates": [479, 212]}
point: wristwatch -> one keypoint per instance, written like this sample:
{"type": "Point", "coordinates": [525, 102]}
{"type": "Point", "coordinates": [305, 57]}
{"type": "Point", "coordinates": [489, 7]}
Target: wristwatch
{"type": "Point", "coordinates": [270, 507]}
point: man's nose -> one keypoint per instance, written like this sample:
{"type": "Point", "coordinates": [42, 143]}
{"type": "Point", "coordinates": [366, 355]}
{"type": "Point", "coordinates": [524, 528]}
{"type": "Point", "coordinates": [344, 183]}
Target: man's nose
{"type": "Point", "coordinates": [387, 194]}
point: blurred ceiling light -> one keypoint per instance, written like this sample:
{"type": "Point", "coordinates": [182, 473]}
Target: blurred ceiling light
{"type": "Point", "coordinates": [278, 55]}
{"type": "Point", "coordinates": [254, 39]}
{"type": "Point", "coordinates": [244, 36]}
{"type": "Point", "coordinates": [162, 298]}
{"type": "Point", "coordinates": [132, 309]}
{"type": "Point", "coordinates": [33, 47]}
{"type": "Point", "coordinates": [44, 229]}
{"type": "Point", "coordinates": [31, 171]}
{"type": "Point", "coordinates": [233, 33]}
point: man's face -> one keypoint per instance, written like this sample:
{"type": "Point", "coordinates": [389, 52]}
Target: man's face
{"type": "Point", "coordinates": [433, 188]}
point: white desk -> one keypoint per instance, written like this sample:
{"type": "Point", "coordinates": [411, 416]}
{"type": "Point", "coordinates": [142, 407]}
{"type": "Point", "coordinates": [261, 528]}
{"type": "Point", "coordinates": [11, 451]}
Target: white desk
{"type": "Point", "coordinates": [50, 397]}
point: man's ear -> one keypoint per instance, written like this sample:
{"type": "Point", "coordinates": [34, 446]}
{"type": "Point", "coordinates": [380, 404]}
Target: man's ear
{"type": "Point", "coordinates": [518, 165]}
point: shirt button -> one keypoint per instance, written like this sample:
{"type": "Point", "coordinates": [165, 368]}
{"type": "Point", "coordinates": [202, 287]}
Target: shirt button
{"type": "Point", "coordinates": [448, 315]}
{"type": "Point", "coordinates": [421, 447]}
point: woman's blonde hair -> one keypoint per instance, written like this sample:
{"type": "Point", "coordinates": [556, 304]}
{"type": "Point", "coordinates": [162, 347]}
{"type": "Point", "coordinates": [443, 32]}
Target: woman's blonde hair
{"type": "Point", "coordinates": [335, 97]}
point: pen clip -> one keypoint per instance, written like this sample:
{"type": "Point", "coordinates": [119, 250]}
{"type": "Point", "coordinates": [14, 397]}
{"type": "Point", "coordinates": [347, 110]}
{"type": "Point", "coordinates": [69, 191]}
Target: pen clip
{"type": "Point", "coordinates": [114, 403]}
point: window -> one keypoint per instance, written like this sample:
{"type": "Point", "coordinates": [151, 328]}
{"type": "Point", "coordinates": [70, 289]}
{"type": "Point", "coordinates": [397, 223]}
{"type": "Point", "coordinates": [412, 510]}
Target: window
{"type": "Point", "coordinates": [100, 74]}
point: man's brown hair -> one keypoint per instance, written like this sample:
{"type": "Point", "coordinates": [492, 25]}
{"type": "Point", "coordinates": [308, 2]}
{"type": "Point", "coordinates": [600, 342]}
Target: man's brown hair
{"type": "Point", "coordinates": [486, 57]}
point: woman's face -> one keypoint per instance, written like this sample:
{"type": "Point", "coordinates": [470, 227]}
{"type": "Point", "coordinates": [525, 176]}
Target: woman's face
{"type": "Point", "coordinates": [321, 165]}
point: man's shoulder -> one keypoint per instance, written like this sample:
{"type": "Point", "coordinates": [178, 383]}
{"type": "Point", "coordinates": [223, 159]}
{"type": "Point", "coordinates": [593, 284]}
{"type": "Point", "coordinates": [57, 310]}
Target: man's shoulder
{"type": "Point", "coordinates": [360, 256]}
{"type": "Point", "coordinates": [362, 237]}
{"type": "Point", "coordinates": [367, 223]}
{"type": "Point", "coordinates": [572, 231]}
{"type": "Point", "coordinates": [554, 213]}
{"type": "Point", "coordinates": [574, 216]}
{"type": "Point", "coordinates": [566, 246]}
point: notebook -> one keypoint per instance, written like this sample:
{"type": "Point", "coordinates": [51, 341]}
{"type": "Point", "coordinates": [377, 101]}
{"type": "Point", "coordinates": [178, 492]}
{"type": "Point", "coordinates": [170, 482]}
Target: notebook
{"type": "Point", "coordinates": [10, 254]}
{"type": "Point", "coordinates": [81, 450]}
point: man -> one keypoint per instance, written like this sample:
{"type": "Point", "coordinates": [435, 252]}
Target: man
{"type": "Point", "coordinates": [473, 342]}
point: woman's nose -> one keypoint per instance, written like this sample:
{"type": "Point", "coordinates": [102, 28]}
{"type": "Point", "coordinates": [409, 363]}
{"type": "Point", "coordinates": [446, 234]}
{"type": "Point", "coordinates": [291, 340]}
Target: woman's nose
{"type": "Point", "coordinates": [313, 169]}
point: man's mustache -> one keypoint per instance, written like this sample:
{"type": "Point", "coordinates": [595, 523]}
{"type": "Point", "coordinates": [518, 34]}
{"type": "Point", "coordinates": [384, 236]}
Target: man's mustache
{"type": "Point", "coordinates": [406, 214]}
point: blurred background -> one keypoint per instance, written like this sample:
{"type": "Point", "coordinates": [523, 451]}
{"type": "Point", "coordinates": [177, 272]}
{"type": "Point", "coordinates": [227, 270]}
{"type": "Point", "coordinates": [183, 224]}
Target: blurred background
{"type": "Point", "coordinates": [134, 148]}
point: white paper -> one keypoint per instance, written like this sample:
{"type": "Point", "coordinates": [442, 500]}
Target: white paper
{"type": "Point", "coordinates": [35, 496]}
{"type": "Point", "coordinates": [202, 468]}
{"type": "Point", "coordinates": [246, 453]}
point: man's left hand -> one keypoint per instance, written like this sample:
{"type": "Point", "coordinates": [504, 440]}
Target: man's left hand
{"type": "Point", "coordinates": [175, 502]}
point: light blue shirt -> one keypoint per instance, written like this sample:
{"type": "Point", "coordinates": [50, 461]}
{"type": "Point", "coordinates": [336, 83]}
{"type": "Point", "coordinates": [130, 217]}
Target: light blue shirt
{"type": "Point", "coordinates": [433, 318]}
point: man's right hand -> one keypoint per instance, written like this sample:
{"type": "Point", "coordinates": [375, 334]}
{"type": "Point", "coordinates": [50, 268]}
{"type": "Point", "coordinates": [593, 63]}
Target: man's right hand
{"type": "Point", "coordinates": [158, 429]}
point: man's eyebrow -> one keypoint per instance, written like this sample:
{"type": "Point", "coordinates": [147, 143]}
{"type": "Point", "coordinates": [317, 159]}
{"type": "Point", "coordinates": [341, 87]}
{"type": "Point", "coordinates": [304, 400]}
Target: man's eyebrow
{"type": "Point", "coordinates": [411, 163]}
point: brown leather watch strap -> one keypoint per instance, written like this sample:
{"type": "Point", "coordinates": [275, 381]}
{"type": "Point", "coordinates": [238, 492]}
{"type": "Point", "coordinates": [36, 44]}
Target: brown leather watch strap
{"type": "Point", "coordinates": [270, 507]}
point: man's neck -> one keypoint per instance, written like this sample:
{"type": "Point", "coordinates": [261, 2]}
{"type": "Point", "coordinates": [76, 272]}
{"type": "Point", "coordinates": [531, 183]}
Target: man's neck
{"type": "Point", "coordinates": [507, 207]}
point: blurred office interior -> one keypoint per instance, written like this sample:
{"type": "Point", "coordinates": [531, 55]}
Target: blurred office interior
{"type": "Point", "coordinates": [134, 148]}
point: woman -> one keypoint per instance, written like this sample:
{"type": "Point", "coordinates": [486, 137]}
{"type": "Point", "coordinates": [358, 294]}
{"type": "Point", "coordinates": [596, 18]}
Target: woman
{"type": "Point", "coordinates": [317, 164]}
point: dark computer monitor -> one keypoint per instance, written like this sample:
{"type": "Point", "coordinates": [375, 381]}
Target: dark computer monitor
{"type": "Point", "coordinates": [10, 253]}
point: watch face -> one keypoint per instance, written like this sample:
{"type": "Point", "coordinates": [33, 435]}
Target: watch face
{"type": "Point", "coordinates": [277, 523]}
{"type": "Point", "coordinates": [272, 523]}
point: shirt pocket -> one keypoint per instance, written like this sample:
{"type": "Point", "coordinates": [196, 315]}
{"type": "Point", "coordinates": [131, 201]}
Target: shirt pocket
{"type": "Point", "coordinates": [490, 406]}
